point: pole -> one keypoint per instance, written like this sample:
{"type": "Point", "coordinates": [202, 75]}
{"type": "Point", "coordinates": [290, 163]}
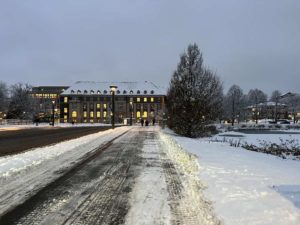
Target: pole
{"type": "Point", "coordinates": [113, 110]}
{"type": "Point", "coordinates": [130, 109]}
{"type": "Point", "coordinates": [53, 114]}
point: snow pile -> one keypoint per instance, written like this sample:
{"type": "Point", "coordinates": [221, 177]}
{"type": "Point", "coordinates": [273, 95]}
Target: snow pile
{"type": "Point", "coordinates": [193, 203]}
{"type": "Point", "coordinates": [247, 187]}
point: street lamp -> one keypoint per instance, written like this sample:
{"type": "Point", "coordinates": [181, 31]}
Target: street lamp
{"type": "Point", "coordinates": [130, 109]}
{"type": "Point", "coordinates": [113, 88]}
{"type": "Point", "coordinates": [53, 104]}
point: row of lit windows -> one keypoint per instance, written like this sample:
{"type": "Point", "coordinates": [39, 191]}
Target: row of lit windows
{"type": "Point", "coordinates": [145, 99]}
{"type": "Point", "coordinates": [138, 99]}
{"type": "Point", "coordinates": [98, 114]}
{"type": "Point", "coordinates": [52, 96]}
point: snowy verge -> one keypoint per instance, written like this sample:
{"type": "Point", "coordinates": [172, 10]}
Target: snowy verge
{"type": "Point", "coordinates": [247, 187]}
{"type": "Point", "coordinates": [198, 208]}
{"type": "Point", "coordinates": [22, 175]}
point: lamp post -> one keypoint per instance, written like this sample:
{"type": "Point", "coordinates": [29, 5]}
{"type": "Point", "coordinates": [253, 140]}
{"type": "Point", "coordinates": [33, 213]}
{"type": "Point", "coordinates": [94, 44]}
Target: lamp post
{"type": "Point", "coordinates": [130, 109]}
{"type": "Point", "coordinates": [53, 103]}
{"type": "Point", "coordinates": [113, 88]}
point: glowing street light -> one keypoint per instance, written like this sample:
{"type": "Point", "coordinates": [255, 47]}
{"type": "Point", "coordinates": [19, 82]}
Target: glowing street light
{"type": "Point", "coordinates": [113, 89]}
{"type": "Point", "coordinates": [53, 104]}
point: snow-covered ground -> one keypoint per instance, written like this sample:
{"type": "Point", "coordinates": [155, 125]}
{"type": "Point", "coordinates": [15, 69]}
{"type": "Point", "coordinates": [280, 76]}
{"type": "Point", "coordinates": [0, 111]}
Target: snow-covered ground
{"type": "Point", "coordinates": [23, 174]}
{"type": "Point", "coordinates": [248, 187]}
{"type": "Point", "coordinates": [45, 125]}
{"type": "Point", "coordinates": [257, 139]}
{"type": "Point", "coordinates": [244, 187]}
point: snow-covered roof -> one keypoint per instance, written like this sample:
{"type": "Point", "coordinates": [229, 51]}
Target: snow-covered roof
{"type": "Point", "coordinates": [265, 104]}
{"type": "Point", "coordinates": [123, 88]}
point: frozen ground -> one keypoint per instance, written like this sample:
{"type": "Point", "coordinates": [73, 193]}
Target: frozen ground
{"type": "Point", "coordinates": [247, 187]}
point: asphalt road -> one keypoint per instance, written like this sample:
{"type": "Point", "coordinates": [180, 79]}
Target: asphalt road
{"type": "Point", "coordinates": [96, 191]}
{"type": "Point", "coordinates": [16, 141]}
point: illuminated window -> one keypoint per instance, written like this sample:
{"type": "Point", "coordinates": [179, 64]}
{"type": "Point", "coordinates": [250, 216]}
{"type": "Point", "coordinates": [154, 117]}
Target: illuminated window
{"type": "Point", "coordinates": [65, 110]}
{"type": "Point", "coordinates": [65, 99]}
{"type": "Point", "coordinates": [65, 121]}
{"type": "Point", "coordinates": [91, 121]}
{"type": "Point", "coordinates": [65, 117]}
{"type": "Point", "coordinates": [152, 99]}
{"type": "Point", "coordinates": [98, 114]}
{"type": "Point", "coordinates": [138, 99]}
{"type": "Point", "coordinates": [138, 114]}
{"type": "Point", "coordinates": [98, 106]}
{"type": "Point", "coordinates": [104, 105]}
{"type": "Point", "coordinates": [91, 114]}
{"type": "Point", "coordinates": [104, 114]}
{"type": "Point", "coordinates": [74, 114]}
{"type": "Point", "coordinates": [145, 99]}
{"type": "Point", "coordinates": [145, 114]}
{"type": "Point", "coordinates": [84, 114]}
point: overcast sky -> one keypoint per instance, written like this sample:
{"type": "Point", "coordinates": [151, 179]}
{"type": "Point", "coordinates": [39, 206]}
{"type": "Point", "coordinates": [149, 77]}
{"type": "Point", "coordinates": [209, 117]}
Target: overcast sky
{"type": "Point", "coordinates": [251, 43]}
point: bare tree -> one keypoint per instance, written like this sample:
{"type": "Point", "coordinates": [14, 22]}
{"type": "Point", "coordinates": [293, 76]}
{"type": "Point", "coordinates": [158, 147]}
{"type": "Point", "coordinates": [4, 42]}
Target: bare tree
{"type": "Point", "coordinates": [275, 97]}
{"type": "Point", "coordinates": [3, 97]}
{"type": "Point", "coordinates": [234, 102]}
{"type": "Point", "coordinates": [254, 97]}
{"type": "Point", "coordinates": [195, 95]}
{"type": "Point", "coordinates": [20, 106]}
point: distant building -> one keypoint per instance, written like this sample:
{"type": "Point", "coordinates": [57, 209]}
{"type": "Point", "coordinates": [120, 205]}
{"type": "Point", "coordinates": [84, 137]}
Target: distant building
{"type": "Point", "coordinates": [43, 99]}
{"type": "Point", "coordinates": [90, 102]}
{"type": "Point", "coordinates": [266, 110]}
{"type": "Point", "coordinates": [293, 102]}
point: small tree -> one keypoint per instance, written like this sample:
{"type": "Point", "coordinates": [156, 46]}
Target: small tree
{"type": "Point", "coordinates": [20, 106]}
{"type": "Point", "coordinates": [195, 95]}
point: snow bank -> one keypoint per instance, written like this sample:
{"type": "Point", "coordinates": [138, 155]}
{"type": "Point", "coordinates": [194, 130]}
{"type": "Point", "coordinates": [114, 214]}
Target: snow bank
{"type": "Point", "coordinates": [198, 208]}
{"type": "Point", "coordinates": [247, 187]}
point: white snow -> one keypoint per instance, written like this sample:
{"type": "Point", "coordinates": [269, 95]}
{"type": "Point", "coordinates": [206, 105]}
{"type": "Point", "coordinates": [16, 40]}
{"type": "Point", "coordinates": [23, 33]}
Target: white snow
{"type": "Point", "coordinates": [247, 187]}
{"type": "Point", "coordinates": [149, 204]}
{"type": "Point", "coordinates": [47, 126]}
{"type": "Point", "coordinates": [257, 139]}
{"type": "Point", "coordinates": [23, 174]}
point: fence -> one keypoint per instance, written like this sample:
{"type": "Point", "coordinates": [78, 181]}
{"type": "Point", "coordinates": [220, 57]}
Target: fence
{"type": "Point", "coordinates": [15, 122]}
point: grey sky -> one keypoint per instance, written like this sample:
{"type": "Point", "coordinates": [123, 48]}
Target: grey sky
{"type": "Point", "coordinates": [252, 43]}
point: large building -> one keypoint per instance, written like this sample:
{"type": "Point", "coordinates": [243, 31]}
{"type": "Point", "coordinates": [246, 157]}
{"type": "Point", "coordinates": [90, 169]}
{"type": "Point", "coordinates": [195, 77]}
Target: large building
{"type": "Point", "coordinates": [46, 98]}
{"type": "Point", "coordinates": [91, 102]}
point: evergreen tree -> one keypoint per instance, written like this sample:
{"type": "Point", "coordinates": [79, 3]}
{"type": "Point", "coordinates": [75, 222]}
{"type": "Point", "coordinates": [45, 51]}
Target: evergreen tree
{"type": "Point", "coordinates": [195, 95]}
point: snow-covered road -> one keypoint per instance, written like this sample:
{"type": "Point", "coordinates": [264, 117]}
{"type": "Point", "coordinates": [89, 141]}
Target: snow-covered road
{"type": "Point", "coordinates": [139, 178]}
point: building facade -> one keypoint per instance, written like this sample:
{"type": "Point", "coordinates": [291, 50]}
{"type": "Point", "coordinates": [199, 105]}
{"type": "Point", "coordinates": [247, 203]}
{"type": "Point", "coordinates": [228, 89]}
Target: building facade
{"type": "Point", "coordinates": [91, 102]}
{"type": "Point", "coordinates": [45, 99]}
